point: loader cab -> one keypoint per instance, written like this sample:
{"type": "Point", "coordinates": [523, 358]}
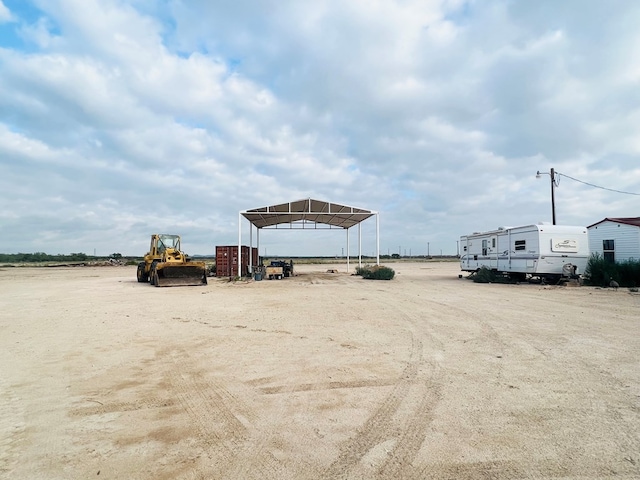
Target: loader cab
{"type": "Point", "coordinates": [163, 242]}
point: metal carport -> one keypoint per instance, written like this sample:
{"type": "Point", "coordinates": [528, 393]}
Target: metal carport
{"type": "Point", "coordinates": [308, 214]}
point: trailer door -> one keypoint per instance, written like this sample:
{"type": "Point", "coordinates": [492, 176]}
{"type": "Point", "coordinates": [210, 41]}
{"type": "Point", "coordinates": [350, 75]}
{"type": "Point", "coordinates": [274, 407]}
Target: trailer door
{"type": "Point", "coordinates": [493, 252]}
{"type": "Point", "coordinates": [490, 252]}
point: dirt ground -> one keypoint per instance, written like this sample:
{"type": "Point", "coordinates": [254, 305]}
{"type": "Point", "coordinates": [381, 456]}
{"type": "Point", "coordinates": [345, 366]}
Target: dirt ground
{"type": "Point", "coordinates": [319, 376]}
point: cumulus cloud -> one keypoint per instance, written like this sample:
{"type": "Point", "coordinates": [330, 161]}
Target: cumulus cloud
{"type": "Point", "coordinates": [5, 13]}
{"type": "Point", "coordinates": [119, 119]}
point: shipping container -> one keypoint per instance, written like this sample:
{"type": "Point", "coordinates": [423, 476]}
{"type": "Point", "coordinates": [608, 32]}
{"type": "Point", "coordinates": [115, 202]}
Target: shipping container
{"type": "Point", "coordinates": [227, 260]}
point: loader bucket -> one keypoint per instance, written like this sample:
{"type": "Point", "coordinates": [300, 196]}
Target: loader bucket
{"type": "Point", "coordinates": [177, 275]}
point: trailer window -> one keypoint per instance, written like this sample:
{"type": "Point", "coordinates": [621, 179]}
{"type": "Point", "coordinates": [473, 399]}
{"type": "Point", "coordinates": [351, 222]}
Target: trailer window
{"type": "Point", "coordinates": [608, 250]}
{"type": "Point", "coordinates": [521, 244]}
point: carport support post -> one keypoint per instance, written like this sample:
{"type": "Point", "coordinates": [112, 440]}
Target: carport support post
{"type": "Point", "coordinates": [347, 250]}
{"type": "Point", "coordinates": [239, 245]}
{"type": "Point", "coordinates": [250, 248]}
{"type": "Point", "coordinates": [377, 239]}
{"type": "Point", "coordinates": [359, 246]}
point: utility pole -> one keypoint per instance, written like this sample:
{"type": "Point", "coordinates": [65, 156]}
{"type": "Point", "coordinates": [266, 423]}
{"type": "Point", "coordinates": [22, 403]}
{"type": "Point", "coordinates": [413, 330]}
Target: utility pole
{"type": "Point", "coordinates": [552, 176]}
{"type": "Point", "coordinates": [427, 249]}
{"type": "Point", "coordinates": [553, 196]}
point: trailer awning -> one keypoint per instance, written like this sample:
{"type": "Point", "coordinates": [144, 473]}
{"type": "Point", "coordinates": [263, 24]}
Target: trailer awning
{"type": "Point", "coordinates": [307, 213]}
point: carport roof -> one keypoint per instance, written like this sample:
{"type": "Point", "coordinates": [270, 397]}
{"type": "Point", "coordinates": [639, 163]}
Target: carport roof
{"type": "Point", "coordinates": [307, 212]}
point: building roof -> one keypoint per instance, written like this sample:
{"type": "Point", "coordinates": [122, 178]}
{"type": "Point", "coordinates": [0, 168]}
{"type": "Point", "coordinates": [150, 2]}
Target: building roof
{"type": "Point", "coordinates": [307, 213]}
{"type": "Point", "coordinates": [635, 221]}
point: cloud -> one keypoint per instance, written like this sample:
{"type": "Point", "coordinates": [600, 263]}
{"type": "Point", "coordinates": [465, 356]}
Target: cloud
{"type": "Point", "coordinates": [5, 14]}
{"type": "Point", "coordinates": [121, 119]}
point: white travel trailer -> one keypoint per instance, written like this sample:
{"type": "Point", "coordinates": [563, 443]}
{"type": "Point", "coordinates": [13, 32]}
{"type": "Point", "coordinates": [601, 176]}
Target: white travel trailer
{"type": "Point", "coordinates": [545, 251]}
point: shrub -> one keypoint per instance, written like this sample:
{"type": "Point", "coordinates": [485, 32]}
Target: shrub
{"type": "Point", "coordinates": [628, 273]}
{"type": "Point", "coordinates": [486, 275]}
{"type": "Point", "coordinates": [600, 272]}
{"type": "Point", "coordinates": [375, 272]}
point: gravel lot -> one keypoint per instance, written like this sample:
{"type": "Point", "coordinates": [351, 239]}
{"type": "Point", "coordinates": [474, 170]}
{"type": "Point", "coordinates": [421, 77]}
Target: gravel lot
{"type": "Point", "coordinates": [318, 376]}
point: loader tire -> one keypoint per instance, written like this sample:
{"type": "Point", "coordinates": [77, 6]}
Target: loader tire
{"type": "Point", "coordinates": [142, 276]}
{"type": "Point", "coordinates": [153, 273]}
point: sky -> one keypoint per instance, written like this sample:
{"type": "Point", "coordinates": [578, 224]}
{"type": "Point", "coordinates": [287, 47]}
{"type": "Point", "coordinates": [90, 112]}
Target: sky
{"type": "Point", "coordinates": [119, 119]}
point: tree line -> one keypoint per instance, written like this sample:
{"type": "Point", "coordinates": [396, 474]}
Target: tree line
{"type": "Point", "coordinates": [45, 257]}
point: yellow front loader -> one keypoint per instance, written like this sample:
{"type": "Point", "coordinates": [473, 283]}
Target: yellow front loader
{"type": "Point", "coordinates": [165, 265]}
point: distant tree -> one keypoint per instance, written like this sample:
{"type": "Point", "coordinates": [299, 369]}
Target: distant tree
{"type": "Point", "coordinates": [395, 255]}
{"type": "Point", "coordinates": [41, 257]}
{"type": "Point", "coordinates": [116, 256]}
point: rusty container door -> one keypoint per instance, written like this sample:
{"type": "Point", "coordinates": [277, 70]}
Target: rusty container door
{"type": "Point", "coordinates": [255, 257]}
{"type": "Point", "coordinates": [227, 260]}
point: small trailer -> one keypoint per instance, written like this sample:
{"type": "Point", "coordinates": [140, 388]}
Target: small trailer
{"type": "Point", "coordinates": [279, 269]}
{"type": "Point", "coordinates": [274, 271]}
{"type": "Point", "coordinates": [549, 252]}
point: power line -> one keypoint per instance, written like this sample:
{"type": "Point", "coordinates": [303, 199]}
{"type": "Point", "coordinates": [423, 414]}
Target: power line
{"type": "Point", "coordinates": [597, 186]}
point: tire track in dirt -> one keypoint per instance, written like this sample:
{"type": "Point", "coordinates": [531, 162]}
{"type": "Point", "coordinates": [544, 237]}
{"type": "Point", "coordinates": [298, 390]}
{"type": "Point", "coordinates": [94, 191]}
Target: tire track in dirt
{"type": "Point", "coordinates": [12, 426]}
{"type": "Point", "coordinates": [389, 440]}
{"type": "Point", "coordinates": [400, 460]}
{"type": "Point", "coordinates": [476, 470]}
{"type": "Point", "coordinates": [255, 458]}
{"type": "Point", "coordinates": [493, 348]}
{"type": "Point", "coordinates": [101, 408]}
{"type": "Point", "coordinates": [206, 404]}
{"type": "Point", "coordinates": [224, 432]}
{"type": "Point", "coordinates": [426, 388]}
{"type": "Point", "coordinates": [305, 387]}
{"type": "Point", "coordinates": [491, 340]}
{"type": "Point", "coordinates": [401, 420]}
